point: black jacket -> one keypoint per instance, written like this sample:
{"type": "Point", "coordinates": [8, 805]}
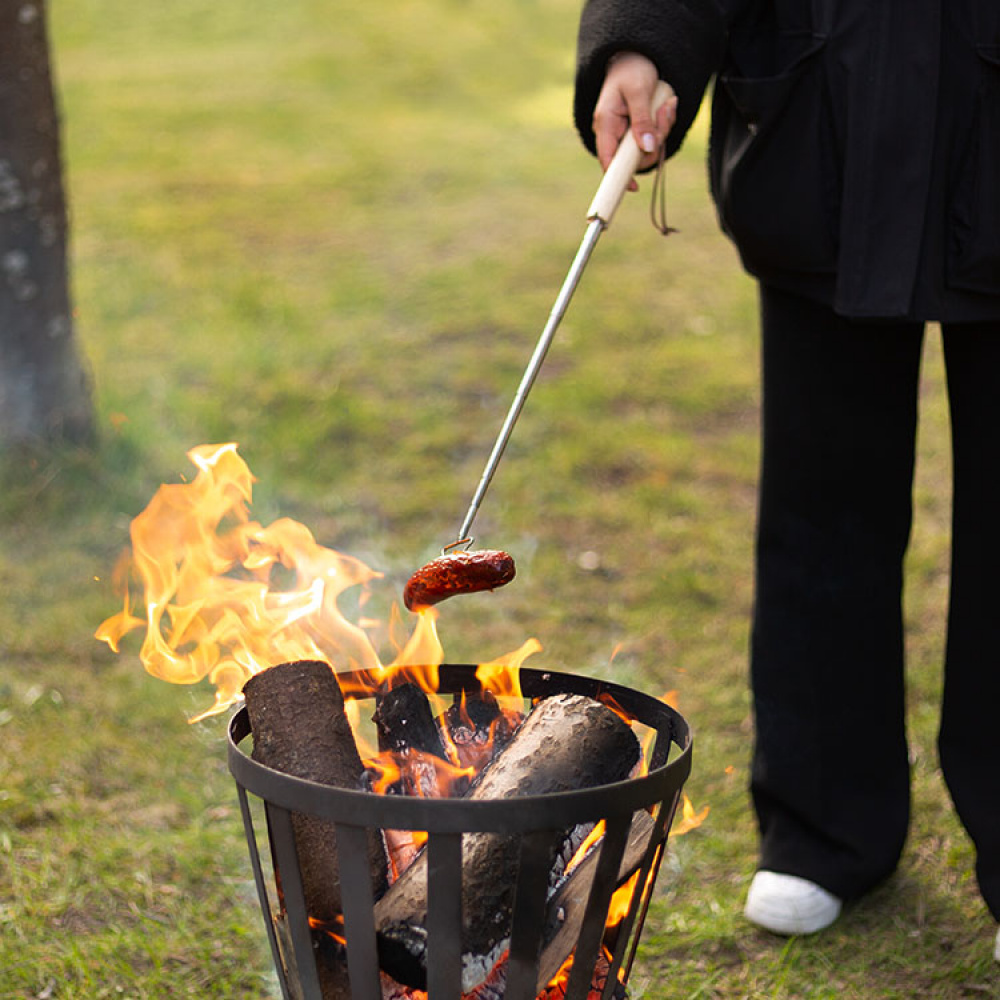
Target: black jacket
{"type": "Point", "coordinates": [855, 144]}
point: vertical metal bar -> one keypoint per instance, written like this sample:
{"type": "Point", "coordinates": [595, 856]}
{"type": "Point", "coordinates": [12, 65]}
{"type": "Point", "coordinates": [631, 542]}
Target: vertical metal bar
{"type": "Point", "coordinates": [528, 919]}
{"type": "Point", "coordinates": [359, 916]}
{"type": "Point", "coordinates": [663, 821]}
{"type": "Point", "coordinates": [444, 916]}
{"type": "Point", "coordinates": [287, 861]}
{"type": "Point", "coordinates": [262, 896]}
{"type": "Point", "coordinates": [589, 941]}
{"type": "Point", "coordinates": [639, 903]}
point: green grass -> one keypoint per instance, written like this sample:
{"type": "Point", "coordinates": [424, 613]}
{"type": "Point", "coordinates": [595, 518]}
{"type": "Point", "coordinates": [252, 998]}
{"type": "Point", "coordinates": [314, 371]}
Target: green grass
{"type": "Point", "coordinates": [332, 234]}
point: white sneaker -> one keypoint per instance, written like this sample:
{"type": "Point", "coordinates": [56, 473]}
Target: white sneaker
{"type": "Point", "coordinates": [788, 904]}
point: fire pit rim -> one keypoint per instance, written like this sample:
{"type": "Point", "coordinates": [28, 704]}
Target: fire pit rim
{"type": "Point", "coordinates": [369, 809]}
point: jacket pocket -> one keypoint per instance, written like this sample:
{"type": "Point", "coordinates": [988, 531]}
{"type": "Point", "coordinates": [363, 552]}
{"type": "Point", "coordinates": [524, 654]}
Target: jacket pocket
{"type": "Point", "coordinates": [774, 170]}
{"type": "Point", "coordinates": [973, 251]}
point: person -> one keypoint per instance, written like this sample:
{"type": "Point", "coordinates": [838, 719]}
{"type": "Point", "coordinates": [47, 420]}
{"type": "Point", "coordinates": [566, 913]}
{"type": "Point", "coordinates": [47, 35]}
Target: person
{"type": "Point", "coordinates": [854, 160]}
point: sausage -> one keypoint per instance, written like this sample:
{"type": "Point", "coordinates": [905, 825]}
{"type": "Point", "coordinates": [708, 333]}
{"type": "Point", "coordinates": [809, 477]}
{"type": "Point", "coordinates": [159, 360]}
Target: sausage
{"type": "Point", "coordinates": [457, 573]}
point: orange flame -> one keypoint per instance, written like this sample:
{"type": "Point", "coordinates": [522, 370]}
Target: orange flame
{"type": "Point", "coordinates": [690, 820]}
{"type": "Point", "coordinates": [226, 597]}
{"type": "Point", "coordinates": [500, 676]}
{"type": "Point", "coordinates": [621, 901]}
{"type": "Point", "coordinates": [430, 777]}
{"type": "Point", "coordinates": [333, 928]}
{"type": "Point", "coordinates": [590, 841]}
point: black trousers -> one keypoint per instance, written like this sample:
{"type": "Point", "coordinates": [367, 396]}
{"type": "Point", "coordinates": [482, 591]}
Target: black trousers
{"type": "Point", "coordinates": [830, 777]}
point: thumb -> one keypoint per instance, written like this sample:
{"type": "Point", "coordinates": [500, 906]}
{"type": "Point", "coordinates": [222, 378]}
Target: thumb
{"type": "Point", "coordinates": [650, 127]}
{"type": "Point", "coordinates": [642, 124]}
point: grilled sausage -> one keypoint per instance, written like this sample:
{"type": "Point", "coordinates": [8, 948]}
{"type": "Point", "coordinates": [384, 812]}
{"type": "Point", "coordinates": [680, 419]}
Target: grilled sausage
{"type": "Point", "coordinates": [457, 573]}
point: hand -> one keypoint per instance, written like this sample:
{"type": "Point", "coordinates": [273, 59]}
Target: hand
{"type": "Point", "coordinates": [624, 102]}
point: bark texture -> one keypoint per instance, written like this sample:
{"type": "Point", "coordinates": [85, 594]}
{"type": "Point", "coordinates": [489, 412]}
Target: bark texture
{"type": "Point", "coordinates": [44, 389]}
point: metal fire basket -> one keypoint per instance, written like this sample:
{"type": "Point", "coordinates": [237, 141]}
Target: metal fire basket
{"type": "Point", "coordinates": [534, 819]}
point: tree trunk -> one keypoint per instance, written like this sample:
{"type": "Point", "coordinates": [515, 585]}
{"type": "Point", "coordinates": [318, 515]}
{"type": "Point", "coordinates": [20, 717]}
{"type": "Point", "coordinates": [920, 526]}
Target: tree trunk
{"type": "Point", "coordinates": [44, 390]}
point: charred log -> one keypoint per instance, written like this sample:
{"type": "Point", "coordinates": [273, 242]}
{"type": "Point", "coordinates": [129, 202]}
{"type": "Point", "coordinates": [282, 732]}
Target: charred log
{"type": "Point", "coordinates": [404, 722]}
{"type": "Point", "coordinates": [478, 728]}
{"type": "Point", "coordinates": [410, 740]}
{"type": "Point", "coordinates": [409, 737]}
{"type": "Point", "coordinates": [567, 742]}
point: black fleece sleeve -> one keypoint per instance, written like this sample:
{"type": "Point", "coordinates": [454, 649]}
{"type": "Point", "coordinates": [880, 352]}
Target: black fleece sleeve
{"type": "Point", "coordinates": [684, 38]}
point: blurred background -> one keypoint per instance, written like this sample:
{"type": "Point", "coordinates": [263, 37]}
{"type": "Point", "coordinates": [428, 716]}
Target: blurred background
{"type": "Point", "coordinates": [332, 233]}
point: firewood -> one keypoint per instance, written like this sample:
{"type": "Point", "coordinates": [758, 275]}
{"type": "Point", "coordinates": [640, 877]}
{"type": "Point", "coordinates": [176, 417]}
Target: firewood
{"type": "Point", "coordinates": [557, 991]}
{"type": "Point", "coordinates": [567, 904]}
{"type": "Point", "coordinates": [567, 742]}
{"type": "Point", "coordinates": [409, 738]}
{"type": "Point", "coordinates": [404, 721]}
{"type": "Point", "coordinates": [297, 719]}
{"type": "Point", "coordinates": [478, 728]}
{"type": "Point", "coordinates": [565, 909]}
{"type": "Point", "coordinates": [410, 743]}
{"type": "Point", "coordinates": [496, 984]}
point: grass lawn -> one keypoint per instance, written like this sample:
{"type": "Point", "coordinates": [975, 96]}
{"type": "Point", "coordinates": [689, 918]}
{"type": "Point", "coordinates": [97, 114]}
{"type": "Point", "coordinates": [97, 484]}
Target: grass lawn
{"type": "Point", "coordinates": [332, 233]}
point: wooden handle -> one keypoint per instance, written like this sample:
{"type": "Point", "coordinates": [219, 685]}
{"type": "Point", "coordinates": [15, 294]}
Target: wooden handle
{"type": "Point", "coordinates": [623, 167]}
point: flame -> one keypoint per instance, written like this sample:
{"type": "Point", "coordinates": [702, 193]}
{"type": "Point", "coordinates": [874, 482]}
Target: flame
{"type": "Point", "coordinates": [556, 987]}
{"type": "Point", "coordinates": [690, 820]}
{"type": "Point", "coordinates": [590, 841]}
{"type": "Point", "coordinates": [560, 980]}
{"type": "Point", "coordinates": [333, 928]}
{"type": "Point", "coordinates": [609, 702]}
{"type": "Point", "coordinates": [621, 901]}
{"type": "Point", "coordinates": [500, 676]}
{"type": "Point", "coordinates": [424, 774]}
{"type": "Point", "coordinates": [227, 597]}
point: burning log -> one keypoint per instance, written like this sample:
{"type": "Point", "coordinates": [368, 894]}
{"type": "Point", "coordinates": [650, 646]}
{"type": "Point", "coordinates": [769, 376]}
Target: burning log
{"type": "Point", "coordinates": [567, 742]}
{"type": "Point", "coordinates": [409, 736]}
{"type": "Point", "coordinates": [478, 728]}
{"type": "Point", "coordinates": [299, 727]}
{"type": "Point", "coordinates": [567, 904]}
{"type": "Point", "coordinates": [466, 736]}
{"type": "Point", "coordinates": [405, 722]}
{"type": "Point", "coordinates": [496, 984]}
{"type": "Point", "coordinates": [565, 909]}
{"type": "Point", "coordinates": [557, 991]}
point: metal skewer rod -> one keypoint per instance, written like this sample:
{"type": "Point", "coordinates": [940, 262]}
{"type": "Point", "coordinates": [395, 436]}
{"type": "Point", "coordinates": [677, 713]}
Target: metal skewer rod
{"type": "Point", "coordinates": [602, 209]}
{"type": "Point", "coordinates": [594, 230]}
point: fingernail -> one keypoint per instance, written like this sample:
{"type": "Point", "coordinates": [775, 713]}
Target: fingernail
{"type": "Point", "coordinates": [648, 142]}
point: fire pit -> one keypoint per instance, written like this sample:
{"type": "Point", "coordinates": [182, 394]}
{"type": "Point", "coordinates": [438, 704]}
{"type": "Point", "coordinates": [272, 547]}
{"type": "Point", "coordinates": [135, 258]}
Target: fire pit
{"type": "Point", "coordinates": [503, 845]}
{"type": "Point", "coordinates": [550, 926]}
